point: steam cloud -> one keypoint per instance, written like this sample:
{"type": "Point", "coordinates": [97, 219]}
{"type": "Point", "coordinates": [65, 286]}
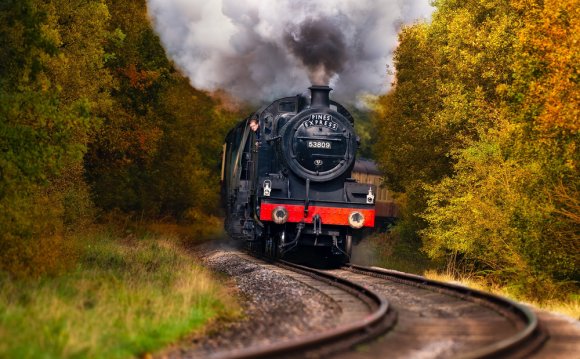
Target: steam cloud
{"type": "Point", "coordinates": [258, 50]}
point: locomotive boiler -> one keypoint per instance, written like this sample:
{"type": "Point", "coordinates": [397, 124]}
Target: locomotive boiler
{"type": "Point", "coordinates": [287, 187]}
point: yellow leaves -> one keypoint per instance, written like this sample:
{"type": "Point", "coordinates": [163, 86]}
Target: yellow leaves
{"type": "Point", "coordinates": [485, 115]}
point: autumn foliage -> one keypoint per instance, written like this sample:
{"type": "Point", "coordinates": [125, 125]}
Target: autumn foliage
{"type": "Point", "coordinates": [48, 104]}
{"type": "Point", "coordinates": [94, 119]}
{"type": "Point", "coordinates": [482, 133]}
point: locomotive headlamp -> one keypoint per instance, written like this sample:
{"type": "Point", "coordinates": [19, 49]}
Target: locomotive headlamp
{"type": "Point", "coordinates": [356, 219]}
{"type": "Point", "coordinates": [280, 215]}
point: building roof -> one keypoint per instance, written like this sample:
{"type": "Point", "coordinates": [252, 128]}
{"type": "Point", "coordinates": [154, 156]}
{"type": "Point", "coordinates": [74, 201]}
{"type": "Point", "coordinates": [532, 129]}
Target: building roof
{"type": "Point", "coordinates": [363, 165]}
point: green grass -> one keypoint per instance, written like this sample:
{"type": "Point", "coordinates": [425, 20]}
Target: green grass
{"type": "Point", "coordinates": [125, 298]}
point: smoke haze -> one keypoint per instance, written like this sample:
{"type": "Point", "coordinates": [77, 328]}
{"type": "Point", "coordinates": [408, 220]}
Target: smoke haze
{"type": "Point", "coordinates": [258, 50]}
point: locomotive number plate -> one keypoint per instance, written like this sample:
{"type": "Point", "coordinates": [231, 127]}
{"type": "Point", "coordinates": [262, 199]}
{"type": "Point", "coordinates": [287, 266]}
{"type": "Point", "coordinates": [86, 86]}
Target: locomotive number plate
{"type": "Point", "coordinates": [319, 144]}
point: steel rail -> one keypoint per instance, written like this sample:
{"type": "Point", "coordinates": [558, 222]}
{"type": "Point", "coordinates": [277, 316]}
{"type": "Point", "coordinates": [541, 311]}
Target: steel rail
{"type": "Point", "coordinates": [334, 340]}
{"type": "Point", "coordinates": [527, 340]}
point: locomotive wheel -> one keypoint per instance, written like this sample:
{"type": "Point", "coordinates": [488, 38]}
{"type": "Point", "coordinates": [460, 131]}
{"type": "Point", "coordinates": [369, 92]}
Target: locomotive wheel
{"type": "Point", "coordinates": [250, 246]}
{"type": "Point", "coordinates": [259, 247]}
{"type": "Point", "coordinates": [256, 247]}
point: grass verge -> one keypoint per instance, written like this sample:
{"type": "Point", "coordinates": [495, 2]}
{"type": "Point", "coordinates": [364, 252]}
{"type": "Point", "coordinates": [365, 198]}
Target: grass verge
{"type": "Point", "coordinates": [389, 251]}
{"type": "Point", "coordinates": [569, 307]}
{"type": "Point", "coordinates": [126, 297]}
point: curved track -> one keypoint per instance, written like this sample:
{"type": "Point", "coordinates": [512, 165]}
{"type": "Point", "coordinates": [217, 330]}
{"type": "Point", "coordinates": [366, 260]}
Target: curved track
{"type": "Point", "coordinates": [422, 318]}
{"type": "Point", "coordinates": [365, 315]}
{"type": "Point", "coordinates": [436, 319]}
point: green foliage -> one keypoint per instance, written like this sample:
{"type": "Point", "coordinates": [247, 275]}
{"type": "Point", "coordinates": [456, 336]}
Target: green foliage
{"type": "Point", "coordinates": [187, 165]}
{"type": "Point", "coordinates": [363, 127]}
{"type": "Point", "coordinates": [91, 110]}
{"type": "Point", "coordinates": [483, 146]}
{"type": "Point", "coordinates": [50, 90]}
{"type": "Point", "coordinates": [158, 150]}
{"type": "Point", "coordinates": [409, 145]}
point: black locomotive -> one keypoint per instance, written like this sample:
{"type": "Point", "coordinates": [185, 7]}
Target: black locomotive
{"type": "Point", "coordinates": [287, 187]}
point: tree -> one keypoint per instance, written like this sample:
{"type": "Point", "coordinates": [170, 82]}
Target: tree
{"type": "Point", "coordinates": [149, 157]}
{"type": "Point", "coordinates": [51, 88]}
{"type": "Point", "coordinates": [481, 130]}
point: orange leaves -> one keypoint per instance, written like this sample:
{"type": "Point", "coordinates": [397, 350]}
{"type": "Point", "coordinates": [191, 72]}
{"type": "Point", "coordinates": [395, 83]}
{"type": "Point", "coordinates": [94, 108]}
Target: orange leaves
{"type": "Point", "coordinates": [146, 140]}
{"type": "Point", "coordinates": [140, 79]}
{"type": "Point", "coordinates": [550, 41]}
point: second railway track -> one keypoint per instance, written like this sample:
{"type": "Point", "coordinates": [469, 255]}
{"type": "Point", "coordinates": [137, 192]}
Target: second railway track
{"type": "Point", "coordinates": [439, 320]}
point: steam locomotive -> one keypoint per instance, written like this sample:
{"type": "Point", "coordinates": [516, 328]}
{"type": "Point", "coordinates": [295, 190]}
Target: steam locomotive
{"type": "Point", "coordinates": [287, 187]}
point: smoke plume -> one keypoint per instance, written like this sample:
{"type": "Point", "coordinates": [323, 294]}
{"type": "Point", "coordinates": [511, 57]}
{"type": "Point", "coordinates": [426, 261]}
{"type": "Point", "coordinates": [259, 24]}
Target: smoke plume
{"type": "Point", "coordinates": [258, 50]}
{"type": "Point", "coordinates": [320, 46]}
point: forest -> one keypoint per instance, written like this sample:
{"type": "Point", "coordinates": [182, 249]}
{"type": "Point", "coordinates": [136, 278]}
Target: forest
{"type": "Point", "coordinates": [95, 121]}
{"type": "Point", "coordinates": [479, 135]}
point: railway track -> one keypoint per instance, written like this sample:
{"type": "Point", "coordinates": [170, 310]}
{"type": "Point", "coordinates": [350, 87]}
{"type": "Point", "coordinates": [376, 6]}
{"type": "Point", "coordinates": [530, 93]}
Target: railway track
{"type": "Point", "coordinates": [435, 319]}
{"type": "Point", "coordinates": [409, 316]}
{"type": "Point", "coordinates": [444, 320]}
{"type": "Point", "coordinates": [365, 315]}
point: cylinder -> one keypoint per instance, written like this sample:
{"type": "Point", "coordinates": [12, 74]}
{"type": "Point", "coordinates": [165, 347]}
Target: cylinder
{"type": "Point", "coordinates": [320, 96]}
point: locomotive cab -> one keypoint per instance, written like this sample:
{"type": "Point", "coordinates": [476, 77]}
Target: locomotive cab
{"type": "Point", "coordinates": [288, 188]}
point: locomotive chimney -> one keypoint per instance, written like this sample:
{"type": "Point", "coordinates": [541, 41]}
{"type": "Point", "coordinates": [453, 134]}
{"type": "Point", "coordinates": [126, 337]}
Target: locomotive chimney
{"type": "Point", "coordinates": [320, 96]}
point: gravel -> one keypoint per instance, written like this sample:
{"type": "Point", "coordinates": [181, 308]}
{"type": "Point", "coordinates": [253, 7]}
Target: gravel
{"type": "Point", "coordinates": [276, 308]}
